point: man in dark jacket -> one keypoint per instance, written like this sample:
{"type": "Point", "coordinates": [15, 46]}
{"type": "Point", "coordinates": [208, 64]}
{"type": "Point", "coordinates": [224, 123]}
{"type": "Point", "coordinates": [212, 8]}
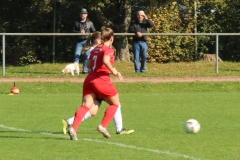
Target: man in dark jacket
{"type": "Point", "coordinates": [82, 25]}
{"type": "Point", "coordinates": [139, 44]}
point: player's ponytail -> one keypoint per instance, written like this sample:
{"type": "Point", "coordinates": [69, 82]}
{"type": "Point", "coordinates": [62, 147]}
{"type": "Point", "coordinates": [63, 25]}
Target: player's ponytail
{"type": "Point", "coordinates": [95, 35]}
{"type": "Point", "coordinates": [88, 43]}
{"type": "Point", "coordinates": [106, 34]}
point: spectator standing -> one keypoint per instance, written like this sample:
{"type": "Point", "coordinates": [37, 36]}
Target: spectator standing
{"type": "Point", "coordinates": [139, 43]}
{"type": "Point", "coordinates": [82, 25]}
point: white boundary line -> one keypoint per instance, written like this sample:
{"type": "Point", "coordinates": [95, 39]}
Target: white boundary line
{"type": "Point", "coordinates": [110, 143]}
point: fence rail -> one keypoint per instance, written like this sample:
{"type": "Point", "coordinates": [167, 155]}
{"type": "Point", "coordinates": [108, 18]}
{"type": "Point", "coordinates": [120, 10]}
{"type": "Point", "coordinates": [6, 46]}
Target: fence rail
{"type": "Point", "coordinates": [116, 34]}
{"type": "Point", "coordinates": [122, 34]}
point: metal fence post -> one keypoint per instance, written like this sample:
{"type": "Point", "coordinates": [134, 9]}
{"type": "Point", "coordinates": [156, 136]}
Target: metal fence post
{"type": "Point", "coordinates": [217, 38]}
{"type": "Point", "coordinates": [3, 54]}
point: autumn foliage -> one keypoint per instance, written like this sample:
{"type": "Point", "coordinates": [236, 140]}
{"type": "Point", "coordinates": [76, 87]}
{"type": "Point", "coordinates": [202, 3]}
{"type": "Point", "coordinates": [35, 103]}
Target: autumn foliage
{"type": "Point", "coordinates": [165, 49]}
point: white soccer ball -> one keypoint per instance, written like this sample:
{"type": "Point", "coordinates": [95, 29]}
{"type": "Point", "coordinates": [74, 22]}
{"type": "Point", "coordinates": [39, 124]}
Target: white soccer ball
{"type": "Point", "coordinates": [192, 126]}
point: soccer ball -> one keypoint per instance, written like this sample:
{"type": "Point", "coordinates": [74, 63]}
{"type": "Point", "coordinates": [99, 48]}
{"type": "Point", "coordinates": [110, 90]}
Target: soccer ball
{"type": "Point", "coordinates": [192, 126]}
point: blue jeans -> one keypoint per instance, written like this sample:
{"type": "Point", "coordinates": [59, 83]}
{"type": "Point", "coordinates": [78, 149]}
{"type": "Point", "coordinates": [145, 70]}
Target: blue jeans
{"type": "Point", "coordinates": [78, 50]}
{"type": "Point", "coordinates": [139, 51]}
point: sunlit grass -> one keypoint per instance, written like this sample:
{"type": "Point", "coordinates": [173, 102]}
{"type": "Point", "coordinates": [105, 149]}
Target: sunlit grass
{"type": "Point", "coordinates": [30, 126]}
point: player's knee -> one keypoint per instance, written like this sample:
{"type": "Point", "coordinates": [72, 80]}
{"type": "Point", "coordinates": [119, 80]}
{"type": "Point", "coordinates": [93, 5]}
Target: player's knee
{"type": "Point", "coordinates": [93, 114]}
{"type": "Point", "coordinates": [94, 111]}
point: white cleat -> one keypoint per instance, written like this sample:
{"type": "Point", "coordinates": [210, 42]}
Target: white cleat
{"type": "Point", "coordinates": [72, 134]}
{"type": "Point", "coordinates": [104, 131]}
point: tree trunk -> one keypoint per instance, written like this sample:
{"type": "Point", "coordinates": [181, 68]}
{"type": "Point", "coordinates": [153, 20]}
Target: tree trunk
{"type": "Point", "coordinates": [122, 50]}
{"type": "Point", "coordinates": [121, 42]}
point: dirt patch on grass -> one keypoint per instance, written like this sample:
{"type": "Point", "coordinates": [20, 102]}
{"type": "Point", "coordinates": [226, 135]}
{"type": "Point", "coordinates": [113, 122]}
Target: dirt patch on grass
{"type": "Point", "coordinates": [129, 79]}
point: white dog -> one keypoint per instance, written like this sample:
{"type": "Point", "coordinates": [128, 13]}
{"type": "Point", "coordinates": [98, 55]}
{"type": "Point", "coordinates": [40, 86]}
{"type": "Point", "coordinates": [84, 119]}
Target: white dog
{"type": "Point", "coordinates": [72, 68]}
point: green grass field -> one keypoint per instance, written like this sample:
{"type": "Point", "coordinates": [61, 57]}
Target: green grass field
{"type": "Point", "coordinates": [30, 126]}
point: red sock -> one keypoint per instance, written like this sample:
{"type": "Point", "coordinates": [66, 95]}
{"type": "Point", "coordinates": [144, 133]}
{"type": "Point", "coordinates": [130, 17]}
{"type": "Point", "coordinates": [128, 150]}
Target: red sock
{"type": "Point", "coordinates": [109, 114]}
{"type": "Point", "coordinates": [80, 113]}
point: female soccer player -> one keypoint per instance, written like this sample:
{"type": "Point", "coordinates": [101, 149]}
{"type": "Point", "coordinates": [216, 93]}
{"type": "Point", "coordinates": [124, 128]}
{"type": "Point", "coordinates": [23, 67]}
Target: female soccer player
{"type": "Point", "coordinates": [93, 40]}
{"type": "Point", "coordinates": [98, 84]}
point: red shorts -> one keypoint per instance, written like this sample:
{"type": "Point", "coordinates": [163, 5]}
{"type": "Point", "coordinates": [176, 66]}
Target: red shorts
{"type": "Point", "coordinates": [100, 85]}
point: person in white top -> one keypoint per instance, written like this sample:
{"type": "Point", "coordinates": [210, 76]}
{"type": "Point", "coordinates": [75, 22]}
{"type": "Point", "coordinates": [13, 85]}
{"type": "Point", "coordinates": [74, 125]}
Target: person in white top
{"type": "Point", "coordinates": [92, 41]}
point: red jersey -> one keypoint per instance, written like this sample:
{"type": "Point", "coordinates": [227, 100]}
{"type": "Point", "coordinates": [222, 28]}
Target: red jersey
{"type": "Point", "coordinates": [96, 59]}
{"type": "Point", "coordinates": [98, 80]}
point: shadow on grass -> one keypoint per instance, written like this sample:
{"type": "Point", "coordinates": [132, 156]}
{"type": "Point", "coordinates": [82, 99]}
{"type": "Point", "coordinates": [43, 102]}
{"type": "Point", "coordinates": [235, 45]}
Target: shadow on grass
{"type": "Point", "coordinates": [54, 135]}
{"type": "Point", "coordinates": [230, 70]}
